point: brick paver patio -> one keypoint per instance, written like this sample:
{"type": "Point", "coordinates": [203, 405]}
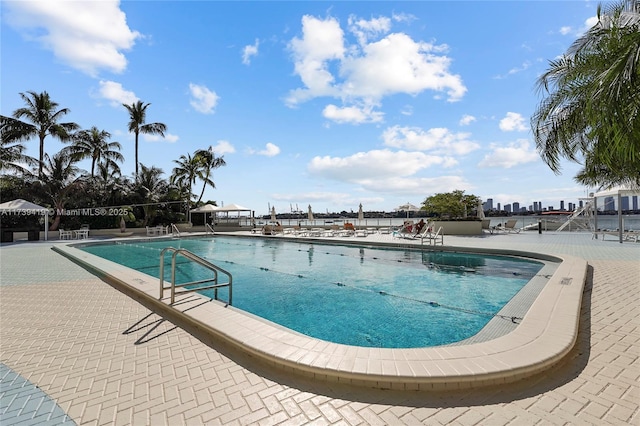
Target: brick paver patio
{"type": "Point", "coordinates": [105, 359]}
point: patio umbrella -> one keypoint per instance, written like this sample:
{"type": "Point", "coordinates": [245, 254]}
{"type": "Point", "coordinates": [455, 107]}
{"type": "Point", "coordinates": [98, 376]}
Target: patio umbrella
{"type": "Point", "coordinates": [310, 214]}
{"type": "Point", "coordinates": [273, 214]}
{"type": "Point", "coordinates": [408, 207]}
{"type": "Point", "coordinates": [360, 214]}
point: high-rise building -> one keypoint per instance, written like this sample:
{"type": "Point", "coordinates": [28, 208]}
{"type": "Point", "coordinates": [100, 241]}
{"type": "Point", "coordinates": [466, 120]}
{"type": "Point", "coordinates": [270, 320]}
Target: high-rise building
{"type": "Point", "coordinates": [624, 203]}
{"type": "Point", "coordinates": [488, 205]}
{"type": "Point", "coordinates": [499, 207]}
{"type": "Point", "coordinates": [609, 204]}
{"type": "Point", "coordinates": [507, 208]}
{"type": "Point", "coordinates": [516, 207]}
{"type": "Point", "coordinates": [562, 205]}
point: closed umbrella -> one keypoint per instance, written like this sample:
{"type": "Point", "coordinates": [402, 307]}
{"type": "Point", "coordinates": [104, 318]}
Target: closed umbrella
{"type": "Point", "coordinates": [360, 214]}
{"type": "Point", "coordinates": [310, 214]}
{"type": "Point", "coordinates": [273, 214]}
{"type": "Point", "coordinates": [480, 210]}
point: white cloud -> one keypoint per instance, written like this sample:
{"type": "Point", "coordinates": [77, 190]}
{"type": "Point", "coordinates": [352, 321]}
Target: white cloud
{"type": "Point", "coordinates": [223, 147]}
{"type": "Point", "coordinates": [352, 114]}
{"type": "Point", "coordinates": [168, 137]}
{"type": "Point", "coordinates": [513, 122]}
{"type": "Point", "coordinates": [249, 51]}
{"type": "Point", "coordinates": [87, 35]}
{"type": "Point", "coordinates": [203, 100]}
{"type": "Point", "coordinates": [366, 71]}
{"type": "Point", "coordinates": [436, 140]}
{"type": "Point", "coordinates": [270, 150]}
{"type": "Point", "coordinates": [321, 41]}
{"type": "Point", "coordinates": [525, 65]}
{"type": "Point", "coordinates": [363, 29]}
{"type": "Point", "coordinates": [466, 120]}
{"type": "Point", "coordinates": [516, 153]}
{"type": "Point", "coordinates": [565, 30]}
{"type": "Point", "coordinates": [116, 94]}
{"type": "Point", "coordinates": [375, 164]}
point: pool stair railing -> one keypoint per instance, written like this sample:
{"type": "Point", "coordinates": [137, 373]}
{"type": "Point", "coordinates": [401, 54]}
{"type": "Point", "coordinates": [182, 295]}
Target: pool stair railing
{"type": "Point", "coordinates": [175, 232]}
{"type": "Point", "coordinates": [209, 229]}
{"type": "Point", "coordinates": [195, 285]}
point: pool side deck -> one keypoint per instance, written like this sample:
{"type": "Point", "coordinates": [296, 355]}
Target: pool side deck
{"type": "Point", "coordinates": [597, 382]}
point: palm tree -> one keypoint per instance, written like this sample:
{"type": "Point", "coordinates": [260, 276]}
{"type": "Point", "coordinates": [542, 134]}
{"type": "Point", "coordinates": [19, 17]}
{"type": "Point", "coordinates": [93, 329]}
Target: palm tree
{"type": "Point", "coordinates": [137, 124]}
{"type": "Point", "coordinates": [60, 181]}
{"type": "Point", "coordinates": [12, 157]}
{"type": "Point", "coordinates": [208, 162]}
{"type": "Point", "coordinates": [591, 114]}
{"type": "Point", "coordinates": [93, 144]}
{"type": "Point", "coordinates": [151, 187]}
{"type": "Point", "coordinates": [185, 175]}
{"type": "Point", "coordinates": [42, 118]}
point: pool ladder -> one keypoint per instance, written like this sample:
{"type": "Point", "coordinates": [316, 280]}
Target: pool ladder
{"type": "Point", "coordinates": [200, 261]}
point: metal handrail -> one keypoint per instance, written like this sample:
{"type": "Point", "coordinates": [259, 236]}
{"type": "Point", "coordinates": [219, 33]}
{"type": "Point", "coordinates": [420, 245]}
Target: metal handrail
{"type": "Point", "coordinates": [174, 230]}
{"type": "Point", "coordinates": [209, 229]}
{"type": "Point", "coordinates": [197, 259]}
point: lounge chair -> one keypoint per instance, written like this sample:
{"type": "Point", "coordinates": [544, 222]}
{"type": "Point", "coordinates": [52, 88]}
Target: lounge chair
{"type": "Point", "coordinates": [508, 228]}
{"type": "Point", "coordinates": [348, 230]}
{"type": "Point", "coordinates": [151, 231]}
{"type": "Point", "coordinates": [267, 230]}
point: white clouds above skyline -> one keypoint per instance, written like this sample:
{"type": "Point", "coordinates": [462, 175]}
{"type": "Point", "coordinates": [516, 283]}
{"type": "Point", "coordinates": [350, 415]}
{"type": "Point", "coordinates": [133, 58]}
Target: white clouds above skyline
{"type": "Point", "coordinates": [512, 155]}
{"type": "Point", "coordinates": [436, 140]}
{"type": "Point", "coordinates": [365, 72]}
{"type": "Point", "coordinates": [88, 36]}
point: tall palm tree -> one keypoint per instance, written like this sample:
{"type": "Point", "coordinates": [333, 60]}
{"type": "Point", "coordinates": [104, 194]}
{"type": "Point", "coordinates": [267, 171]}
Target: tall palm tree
{"type": "Point", "coordinates": [592, 112]}
{"type": "Point", "coordinates": [208, 162]}
{"type": "Point", "coordinates": [93, 144]}
{"type": "Point", "coordinates": [185, 174]}
{"type": "Point", "coordinates": [138, 124]}
{"type": "Point", "coordinates": [60, 181]}
{"type": "Point", "coordinates": [41, 118]}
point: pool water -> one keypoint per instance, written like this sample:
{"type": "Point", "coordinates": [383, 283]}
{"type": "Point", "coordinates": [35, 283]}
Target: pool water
{"type": "Point", "coordinates": [360, 296]}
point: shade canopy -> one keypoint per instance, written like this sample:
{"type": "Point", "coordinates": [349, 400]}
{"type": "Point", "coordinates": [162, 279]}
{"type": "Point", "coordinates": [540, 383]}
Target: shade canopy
{"type": "Point", "coordinates": [618, 192]}
{"type": "Point", "coordinates": [233, 208]}
{"type": "Point", "coordinates": [27, 207]}
{"type": "Point", "coordinates": [207, 208]}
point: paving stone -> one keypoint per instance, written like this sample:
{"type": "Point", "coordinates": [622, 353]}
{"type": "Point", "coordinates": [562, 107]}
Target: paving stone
{"type": "Point", "coordinates": [105, 359]}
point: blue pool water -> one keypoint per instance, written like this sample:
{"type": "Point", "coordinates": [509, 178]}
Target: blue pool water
{"type": "Point", "coordinates": [361, 296]}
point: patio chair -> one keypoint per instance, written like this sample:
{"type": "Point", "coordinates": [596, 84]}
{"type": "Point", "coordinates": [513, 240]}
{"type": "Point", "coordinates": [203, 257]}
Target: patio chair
{"type": "Point", "coordinates": [65, 235]}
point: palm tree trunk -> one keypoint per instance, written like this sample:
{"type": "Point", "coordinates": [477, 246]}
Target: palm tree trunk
{"type": "Point", "coordinates": [203, 187]}
{"type": "Point", "coordinates": [136, 154]}
{"type": "Point", "coordinates": [41, 164]}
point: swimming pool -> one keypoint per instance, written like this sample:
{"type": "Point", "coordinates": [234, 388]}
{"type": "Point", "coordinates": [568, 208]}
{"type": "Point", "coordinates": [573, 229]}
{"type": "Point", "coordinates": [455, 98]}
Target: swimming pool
{"type": "Point", "coordinates": [360, 296]}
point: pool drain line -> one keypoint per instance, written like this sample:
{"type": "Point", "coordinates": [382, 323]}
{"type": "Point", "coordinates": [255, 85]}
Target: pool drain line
{"type": "Point", "coordinates": [513, 319]}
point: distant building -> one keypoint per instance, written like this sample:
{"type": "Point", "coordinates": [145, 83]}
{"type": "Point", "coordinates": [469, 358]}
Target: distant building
{"type": "Point", "coordinates": [499, 207]}
{"type": "Point", "coordinates": [488, 205]}
{"type": "Point", "coordinates": [609, 204]}
{"type": "Point", "coordinates": [507, 208]}
{"type": "Point", "coordinates": [562, 205]}
{"type": "Point", "coordinates": [516, 207]}
{"type": "Point", "coordinates": [624, 203]}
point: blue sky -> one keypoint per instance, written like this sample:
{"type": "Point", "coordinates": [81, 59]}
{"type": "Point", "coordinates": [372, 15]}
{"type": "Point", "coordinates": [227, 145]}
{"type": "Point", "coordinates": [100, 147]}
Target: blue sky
{"type": "Point", "coordinates": [328, 104]}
